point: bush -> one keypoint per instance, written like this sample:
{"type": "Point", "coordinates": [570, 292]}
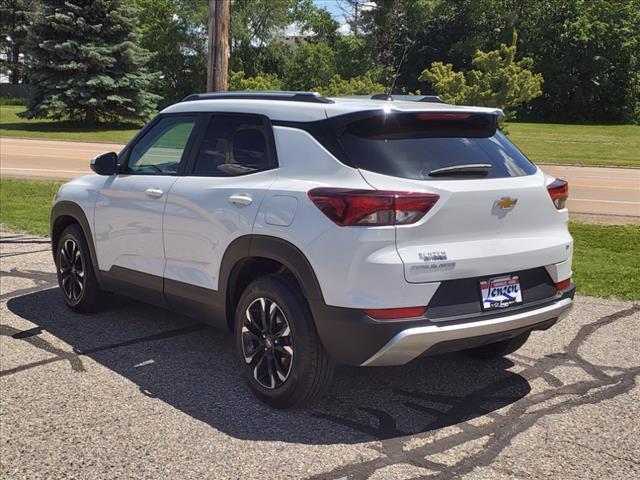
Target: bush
{"type": "Point", "coordinates": [362, 85]}
{"type": "Point", "coordinates": [497, 81]}
{"type": "Point", "coordinates": [237, 81]}
{"type": "Point", "coordinates": [12, 101]}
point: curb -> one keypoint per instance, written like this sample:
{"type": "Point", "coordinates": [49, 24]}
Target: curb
{"type": "Point", "coordinates": [631, 167]}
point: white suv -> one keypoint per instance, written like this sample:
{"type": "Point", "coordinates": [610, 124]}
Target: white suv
{"type": "Point", "coordinates": [362, 231]}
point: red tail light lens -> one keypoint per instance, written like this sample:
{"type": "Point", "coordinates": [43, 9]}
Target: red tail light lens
{"type": "Point", "coordinates": [395, 313]}
{"type": "Point", "coordinates": [559, 192]}
{"type": "Point", "coordinates": [564, 284]}
{"type": "Point", "coordinates": [443, 116]}
{"type": "Point", "coordinates": [372, 207]}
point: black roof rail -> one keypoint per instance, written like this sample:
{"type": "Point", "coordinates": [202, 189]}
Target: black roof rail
{"type": "Point", "coordinates": [310, 97]}
{"type": "Point", "coordinates": [432, 99]}
{"type": "Point", "coordinates": [381, 96]}
{"type": "Point", "coordinates": [408, 98]}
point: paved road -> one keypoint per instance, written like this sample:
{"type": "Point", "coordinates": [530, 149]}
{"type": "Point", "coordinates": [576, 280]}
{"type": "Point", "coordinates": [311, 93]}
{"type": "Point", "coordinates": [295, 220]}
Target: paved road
{"type": "Point", "coordinates": [50, 159]}
{"type": "Point", "coordinates": [608, 194]}
{"type": "Point", "coordinates": [595, 191]}
{"type": "Point", "coordinates": [137, 392]}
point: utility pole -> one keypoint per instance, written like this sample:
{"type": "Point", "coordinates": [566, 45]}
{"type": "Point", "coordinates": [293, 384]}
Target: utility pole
{"type": "Point", "coordinates": [355, 18]}
{"type": "Point", "coordinates": [218, 54]}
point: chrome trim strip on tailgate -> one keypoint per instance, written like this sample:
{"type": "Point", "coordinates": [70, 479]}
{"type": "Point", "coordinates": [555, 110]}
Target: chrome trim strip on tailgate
{"type": "Point", "coordinates": [412, 342]}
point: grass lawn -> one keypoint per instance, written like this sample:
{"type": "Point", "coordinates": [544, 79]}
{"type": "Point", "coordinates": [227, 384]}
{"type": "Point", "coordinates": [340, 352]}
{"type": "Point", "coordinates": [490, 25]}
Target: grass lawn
{"type": "Point", "coordinates": [13, 126]}
{"type": "Point", "coordinates": [578, 144]}
{"type": "Point", "coordinates": [606, 257]}
{"type": "Point", "coordinates": [606, 260]}
{"type": "Point", "coordinates": [25, 204]}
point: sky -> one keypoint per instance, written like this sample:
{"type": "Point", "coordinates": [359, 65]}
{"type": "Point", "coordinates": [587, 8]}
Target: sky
{"type": "Point", "coordinates": [332, 6]}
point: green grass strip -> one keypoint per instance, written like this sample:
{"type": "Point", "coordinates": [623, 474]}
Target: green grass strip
{"type": "Point", "coordinates": [606, 260]}
{"type": "Point", "coordinates": [25, 205]}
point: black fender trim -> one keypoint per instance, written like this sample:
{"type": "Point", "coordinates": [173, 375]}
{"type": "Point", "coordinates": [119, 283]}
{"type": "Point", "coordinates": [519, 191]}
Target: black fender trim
{"type": "Point", "coordinates": [248, 247]}
{"type": "Point", "coordinates": [292, 258]}
{"type": "Point", "coordinates": [66, 208]}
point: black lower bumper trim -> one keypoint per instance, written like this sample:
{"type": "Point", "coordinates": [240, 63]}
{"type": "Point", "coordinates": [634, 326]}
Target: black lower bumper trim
{"type": "Point", "coordinates": [351, 337]}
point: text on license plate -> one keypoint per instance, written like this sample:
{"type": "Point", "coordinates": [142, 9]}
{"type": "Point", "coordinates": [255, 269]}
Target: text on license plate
{"type": "Point", "coordinates": [500, 292]}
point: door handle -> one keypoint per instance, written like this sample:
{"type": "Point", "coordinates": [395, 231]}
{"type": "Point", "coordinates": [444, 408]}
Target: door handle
{"type": "Point", "coordinates": [154, 192]}
{"type": "Point", "coordinates": [243, 199]}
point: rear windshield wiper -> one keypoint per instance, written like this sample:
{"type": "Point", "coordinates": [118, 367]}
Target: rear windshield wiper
{"type": "Point", "coordinates": [465, 169]}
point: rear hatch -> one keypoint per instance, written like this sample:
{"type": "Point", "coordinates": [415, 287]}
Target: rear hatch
{"type": "Point", "coordinates": [494, 215]}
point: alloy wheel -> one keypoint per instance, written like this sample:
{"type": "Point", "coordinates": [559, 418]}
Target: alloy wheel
{"type": "Point", "coordinates": [72, 273]}
{"type": "Point", "coordinates": [267, 343]}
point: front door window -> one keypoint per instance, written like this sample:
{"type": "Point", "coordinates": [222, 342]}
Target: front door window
{"type": "Point", "coordinates": [161, 149]}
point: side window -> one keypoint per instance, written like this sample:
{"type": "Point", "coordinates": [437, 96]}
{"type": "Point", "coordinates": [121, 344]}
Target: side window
{"type": "Point", "coordinates": [235, 145]}
{"type": "Point", "coordinates": [161, 149]}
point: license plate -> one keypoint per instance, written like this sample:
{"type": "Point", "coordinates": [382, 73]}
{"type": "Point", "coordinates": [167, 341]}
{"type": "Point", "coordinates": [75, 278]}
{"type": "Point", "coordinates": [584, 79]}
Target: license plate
{"type": "Point", "coordinates": [500, 292]}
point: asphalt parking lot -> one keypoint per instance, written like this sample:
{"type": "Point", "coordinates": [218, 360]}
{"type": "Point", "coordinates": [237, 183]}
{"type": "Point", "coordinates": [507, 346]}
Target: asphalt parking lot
{"type": "Point", "coordinates": [138, 392]}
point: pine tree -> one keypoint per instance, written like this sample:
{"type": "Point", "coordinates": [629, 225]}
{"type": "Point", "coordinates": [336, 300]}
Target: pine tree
{"type": "Point", "coordinates": [14, 25]}
{"type": "Point", "coordinates": [85, 64]}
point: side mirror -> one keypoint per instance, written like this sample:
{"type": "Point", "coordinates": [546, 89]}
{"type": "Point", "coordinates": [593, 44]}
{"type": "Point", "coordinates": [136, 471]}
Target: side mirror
{"type": "Point", "coordinates": [105, 163]}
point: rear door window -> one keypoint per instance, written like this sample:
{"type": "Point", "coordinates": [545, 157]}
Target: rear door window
{"type": "Point", "coordinates": [235, 145]}
{"type": "Point", "coordinates": [414, 145]}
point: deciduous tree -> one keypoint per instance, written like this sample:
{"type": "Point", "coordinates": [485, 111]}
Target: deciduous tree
{"type": "Point", "coordinates": [174, 32]}
{"type": "Point", "coordinates": [314, 22]}
{"type": "Point", "coordinates": [313, 66]}
{"type": "Point", "coordinates": [255, 25]}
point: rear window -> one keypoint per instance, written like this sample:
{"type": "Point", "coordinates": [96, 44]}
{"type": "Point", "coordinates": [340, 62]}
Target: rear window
{"type": "Point", "coordinates": [414, 145]}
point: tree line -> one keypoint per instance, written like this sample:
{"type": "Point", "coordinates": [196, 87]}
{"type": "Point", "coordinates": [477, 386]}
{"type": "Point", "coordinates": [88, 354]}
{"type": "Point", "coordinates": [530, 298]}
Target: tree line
{"type": "Point", "coordinates": [548, 60]}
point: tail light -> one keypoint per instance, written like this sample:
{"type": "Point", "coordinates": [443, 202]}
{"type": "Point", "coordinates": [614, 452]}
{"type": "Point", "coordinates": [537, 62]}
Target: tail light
{"type": "Point", "coordinates": [559, 192]}
{"type": "Point", "coordinates": [372, 207]}
{"type": "Point", "coordinates": [395, 313]}
{"type": "Point", "coordinates": [444, 116]}
{"type": "Point", "coordinates": [563, 285]}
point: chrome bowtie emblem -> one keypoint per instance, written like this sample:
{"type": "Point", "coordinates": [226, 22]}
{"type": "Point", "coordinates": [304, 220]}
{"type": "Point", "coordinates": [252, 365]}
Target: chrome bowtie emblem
{"type": "Point", "coordinates": [505, 203]}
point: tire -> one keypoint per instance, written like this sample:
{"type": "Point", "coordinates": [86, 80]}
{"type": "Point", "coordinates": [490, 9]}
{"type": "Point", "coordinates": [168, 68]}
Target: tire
{"type": "Point", "coordinates": [498, 349]}
{"type": "Point", "coordinates": [283, 361]}
{"type": "Point", "coordinates": [76, 276]}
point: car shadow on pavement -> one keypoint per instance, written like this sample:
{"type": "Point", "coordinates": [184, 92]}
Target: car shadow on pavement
{"type": "Point", "coordinates": [192, 367]}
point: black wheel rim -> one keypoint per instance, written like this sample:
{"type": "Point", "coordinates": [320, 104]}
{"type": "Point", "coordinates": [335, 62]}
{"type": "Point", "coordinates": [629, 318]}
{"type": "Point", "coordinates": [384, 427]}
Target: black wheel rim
{"type": "Point", "coordinates": [267, 343]}
{"type": "Point", "coordinates": [72, 274]}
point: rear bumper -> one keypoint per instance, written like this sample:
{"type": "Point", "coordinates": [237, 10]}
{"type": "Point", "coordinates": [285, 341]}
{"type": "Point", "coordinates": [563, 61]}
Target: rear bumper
{"type": "Point", "coordinates": [414, 342]}
{"type": "Point", "coordinates": [352, 338]}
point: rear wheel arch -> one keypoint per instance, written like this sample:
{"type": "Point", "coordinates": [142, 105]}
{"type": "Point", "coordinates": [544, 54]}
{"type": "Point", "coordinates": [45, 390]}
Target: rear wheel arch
{"type": "Point", "coordinates": [252, 256]}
